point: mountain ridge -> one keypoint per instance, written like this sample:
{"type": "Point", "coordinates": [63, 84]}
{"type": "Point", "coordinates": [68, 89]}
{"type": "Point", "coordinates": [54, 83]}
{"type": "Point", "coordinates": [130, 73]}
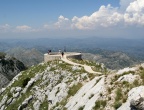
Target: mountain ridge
{"type": "Point", "coordinates": [9, 67]}
{"type": "Point", "coordinates": [58, 85]}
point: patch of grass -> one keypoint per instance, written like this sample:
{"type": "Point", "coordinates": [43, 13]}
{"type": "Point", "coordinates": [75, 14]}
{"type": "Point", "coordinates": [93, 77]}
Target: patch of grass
{"type": "Point", "coordinates": [85, 77]}
{"type": "Point", "coordinates": [44, 105]}
{"type": "Point", "coordinates": [117, 105]}
{"type": "Point", "coordinates": [72, 90]}
{"type": "Point", "coordinates": [63, 102]}
{"type": "Point", "coordinates": [30, 73]}
{"type": "Point", "coordinates": [91, 96]}
{"type": "Point", "coordinates": [109, 90]}
{"type": "Point", "coordinates": [142, 76]}
{"type": "Point", "coordinates": [141, 68]}
{"type": "Point", "coordinates": [81, 108]}
{"type": "Point", "coordinates": [124, 99]}
{"type": "Point", "coordinates": [60, 80]}
{"type": "Point", "coordinates": [99, 104]}
{"type": "Point", "coordinates": [18, 102]}
{"type": "Point", "coordinates": [118, 94]}
{"type": "Point", "coordinates": [9, 95]}
{"type": "Point", "coordinates": [91, 76]}
{"type": "Point", "coordinates": [136, 83]}
{"type": "Point", "coordinates": [25, 82]}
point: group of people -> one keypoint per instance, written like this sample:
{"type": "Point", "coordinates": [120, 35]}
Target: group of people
{"type": "Point", "coordinates": [49, 51]}
{"type": "Point", "coordinates": [62, 53]}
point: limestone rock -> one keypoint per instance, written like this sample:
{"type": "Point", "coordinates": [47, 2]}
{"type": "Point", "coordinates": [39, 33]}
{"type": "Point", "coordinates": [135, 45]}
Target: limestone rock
{"type": "Point", "coordinates": [9, 101]}
{"type": "Point", "coordinates": [18, 89]}
{"type": "Point", "coordinates": [129, 78]}
{"type": "Point", "coordinates": [121, 71]}
{"type": "Point", "coordinates": [36, 105]}
{"type": "Point", "coordinates": [25, 102]}
{"type": "Point", "coordinates": [135, 99]}
{"type": "Point", "coordinates": [16, 95]}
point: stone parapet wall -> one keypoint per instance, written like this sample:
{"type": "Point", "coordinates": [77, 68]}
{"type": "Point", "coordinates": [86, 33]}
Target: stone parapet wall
{"type": "Point", "coordinates": [77, 56]}
{"type": "Point", "coordinates": [48, 57]}
{"type": "Point", "coordinates": [57, 56]}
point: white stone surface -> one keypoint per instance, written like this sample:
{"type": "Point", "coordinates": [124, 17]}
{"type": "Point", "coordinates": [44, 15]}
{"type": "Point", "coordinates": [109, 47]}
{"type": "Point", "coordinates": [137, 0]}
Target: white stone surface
{"type": "Point", "coordinates": [2, 90]}
{"type": "Point", "coordinates": [39, 93]}
{"type": "Point", "coordinates": [129, 78]}
{"type": "Point", "coordinates": [133, 94]}
{"type": "Point", "coordinates": [3, 101]}
{"type": "Point", "coordinates": [16, 95]}
{"type": "Point", "coordinates": [9, 101]}
{"type": "Point", "coordinates": [126, 70]}
{"type": "Point", "coordinates": [57, 95]}
{"type": "Point", "coordinates": [28, 85]}
{"type": "Point", "coordinates": [18, 89]}
{"type": "Point", "coordinates": [81, 98]}
{"type": "Point", "coordinates": [36, 105]}
{"type": "Point", "coordinates": [74, 68]}
{"type": "Point", "coordinates": [3, 107]}
{"type": "Point", "coordinates": [26, 101]}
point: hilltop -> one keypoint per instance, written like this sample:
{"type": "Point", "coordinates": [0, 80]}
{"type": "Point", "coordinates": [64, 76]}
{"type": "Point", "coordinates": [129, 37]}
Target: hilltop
{"type": "Point", "coordinates": [57, 85]}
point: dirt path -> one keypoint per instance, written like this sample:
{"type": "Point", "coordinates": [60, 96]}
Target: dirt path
{"type": "Point", "coordinates": [86, 67]}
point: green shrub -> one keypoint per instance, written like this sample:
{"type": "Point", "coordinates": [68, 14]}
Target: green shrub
{"type": "Point", "coordinates": [136, 83]}
{"type": "Point", "coordinates": [25, 81]}
{"type": "Point", "coordinates": [99, 103]}
{"type": "Point", "coordinates": [81, 108]}
{"type": "Point", "coordinates": [141, 68]}
{"type": "Point", "coordinates": [91, 96]}
{"type": "Point", "coordinates": [117, 105]}
{"type": "Point", "coordinates": [9, 95]}
{"type": "Point", "coordinates": [118, 94]}
{"type": "Point", "coordinates": [109, 90]}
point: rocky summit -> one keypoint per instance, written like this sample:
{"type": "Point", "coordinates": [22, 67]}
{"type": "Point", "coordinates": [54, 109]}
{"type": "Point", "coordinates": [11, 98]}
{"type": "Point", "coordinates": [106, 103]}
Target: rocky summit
{"type": "Point", "coordinates": [57, 85]}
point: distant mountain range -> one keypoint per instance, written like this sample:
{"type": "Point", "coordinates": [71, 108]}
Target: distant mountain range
{"type": "Point", "coordinates": [134, 47]}
{"type": "Point", "coordinates": [28, 56]}
{"type": "Point", "coordinates": [112, 60]}
{"type": "Point", "coordinates": [114, 53]}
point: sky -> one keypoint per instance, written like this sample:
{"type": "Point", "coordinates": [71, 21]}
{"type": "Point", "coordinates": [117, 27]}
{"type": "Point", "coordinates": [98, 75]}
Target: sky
{"type": "Point", "coordinates": [71, 18]}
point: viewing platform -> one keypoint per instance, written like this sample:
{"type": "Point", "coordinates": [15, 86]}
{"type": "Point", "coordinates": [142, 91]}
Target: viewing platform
{"type": "Point", "coordinates": [57, 55]}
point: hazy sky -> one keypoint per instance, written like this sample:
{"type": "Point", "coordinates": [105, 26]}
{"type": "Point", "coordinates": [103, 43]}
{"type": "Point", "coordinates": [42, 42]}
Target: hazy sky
{"type": "Point", "coordinates": [71, 18]}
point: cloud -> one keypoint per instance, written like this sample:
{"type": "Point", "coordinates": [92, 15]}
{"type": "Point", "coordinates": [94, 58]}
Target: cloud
{"type": "Point", "coordinates": [4, 28]}
{"type": "Point", "coordinates": [130, 13]}
{"type": "Point", "coordinates": [125, 3]}
{"type": "Point", "coordinates": [108, 20]}
{"type": "Point", "coordinates": [62, 22]}
{"type": "Point", "coordinates": [135, 13]}
{"type": "Point", "coordinates": [106, 16]}
{"type": "Point", "coordinates": [23, 28]}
